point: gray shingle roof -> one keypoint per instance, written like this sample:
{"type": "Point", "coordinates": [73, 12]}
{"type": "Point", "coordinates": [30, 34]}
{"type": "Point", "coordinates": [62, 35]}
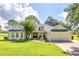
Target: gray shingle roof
{"type": "Point", "coordinates": [47, 27]}
{"type": "Point", "coordinates": [17, 28]}
{"type": "Point", "coordinates": [59, 27]}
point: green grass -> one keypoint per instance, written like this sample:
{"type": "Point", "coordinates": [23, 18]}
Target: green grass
{"type": "Point", "coordinates": [76, 37]}
{"type": "Point", "coordinates": [28, 48]}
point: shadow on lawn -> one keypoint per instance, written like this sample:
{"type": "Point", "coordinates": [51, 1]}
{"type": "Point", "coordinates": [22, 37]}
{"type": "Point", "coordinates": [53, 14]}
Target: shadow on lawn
{"type": "Point", "coordinates": [20, 41]}
{"type": "Point", "coordinates": [16, 41]}
{"type": "Point", "coordinates": [3, 40]}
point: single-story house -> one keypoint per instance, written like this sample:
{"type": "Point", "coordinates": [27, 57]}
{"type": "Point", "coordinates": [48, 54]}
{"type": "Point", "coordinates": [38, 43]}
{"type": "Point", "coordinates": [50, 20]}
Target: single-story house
{"type": "Point", "coordinates": [57, 32]}
{"type": "Point", "coordinates": [18, 33]}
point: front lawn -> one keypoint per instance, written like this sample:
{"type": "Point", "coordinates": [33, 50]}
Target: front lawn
{"type": "Point", "coordinates": [29, 48]}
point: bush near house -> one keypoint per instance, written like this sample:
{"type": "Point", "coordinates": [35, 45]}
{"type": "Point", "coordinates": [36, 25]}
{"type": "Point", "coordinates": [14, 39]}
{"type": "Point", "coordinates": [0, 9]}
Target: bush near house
{"type": "Point", "coordinates": [3, 35]}
{"type": "Point", "coordinates": [75, 34]}
{"type": "Point", "coordinates": [75, 37]}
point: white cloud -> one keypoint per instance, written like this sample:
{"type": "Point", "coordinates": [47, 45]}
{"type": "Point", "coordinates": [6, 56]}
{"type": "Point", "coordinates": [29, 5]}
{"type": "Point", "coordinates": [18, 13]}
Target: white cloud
{"type": "Point", "coordinates": [63, 15]}
{"type": "Point", "coordinates": [18, 19]}
{"type": "Point", "coordinates": [31, 11]}
{"type": "Point", "coordinates": [7, 6]}
{"type": "Point", "coordinates": [17, 11]}
{"type": "Point", "coordinates": [3, 23]}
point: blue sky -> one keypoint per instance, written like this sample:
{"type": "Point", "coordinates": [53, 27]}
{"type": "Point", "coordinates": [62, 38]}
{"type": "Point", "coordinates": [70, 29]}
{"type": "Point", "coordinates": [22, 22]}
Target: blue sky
{"type": "Point", "coordinates": [18, 11]}
{"type": "Point", "coordinates": [49, 9]}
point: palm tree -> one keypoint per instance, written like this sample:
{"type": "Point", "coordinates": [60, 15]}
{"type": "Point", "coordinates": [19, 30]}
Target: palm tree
{"type": "Point", "coordinates": [29, 27]}
{"type": "Point", "coordinates": [33, 18]}
{"type": "Point", "coordinates": [73, 15]}
{"type": "Point", "coordinates": [30, 24]}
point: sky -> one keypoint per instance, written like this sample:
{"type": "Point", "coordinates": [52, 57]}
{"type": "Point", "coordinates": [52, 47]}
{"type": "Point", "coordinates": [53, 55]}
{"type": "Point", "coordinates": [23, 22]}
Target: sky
{"type": "Point", "coordinates": [19, 11]}
{"type": "Point", "coordinates": [56, 10]}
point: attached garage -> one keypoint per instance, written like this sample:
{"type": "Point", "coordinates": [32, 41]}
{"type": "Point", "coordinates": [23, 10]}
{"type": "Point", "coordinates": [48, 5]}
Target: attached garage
{"type": "Point", "coordinates": [59, 33]}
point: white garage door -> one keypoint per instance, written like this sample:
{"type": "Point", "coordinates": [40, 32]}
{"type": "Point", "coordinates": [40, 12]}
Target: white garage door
{"type": "Point", "coordinates": [60, 36]}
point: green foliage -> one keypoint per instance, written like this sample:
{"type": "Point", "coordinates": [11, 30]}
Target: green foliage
{"type": "Point", "coordinates": [51, 21]}
{"type": "Point", "coordinates": [73, 15]}
{"type": "Point", "coordinates": [30, 24]}
{"type": "Point", "coordinates": [33, 18]}
{"type": "Point", "coordinates": [76, 31]}
{"type": "Point", "coordinates": [76, 37]}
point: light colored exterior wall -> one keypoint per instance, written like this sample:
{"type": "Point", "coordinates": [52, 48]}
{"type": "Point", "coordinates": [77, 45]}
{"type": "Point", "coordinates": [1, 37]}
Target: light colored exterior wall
{"type": "Point", "coordinates": [16, 38]}
{"type": "Point", "coordinates": [59, 35]}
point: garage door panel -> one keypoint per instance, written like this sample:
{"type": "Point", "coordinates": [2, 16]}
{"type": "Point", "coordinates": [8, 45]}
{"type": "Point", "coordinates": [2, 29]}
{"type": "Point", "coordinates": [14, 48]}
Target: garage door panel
{"type": "Point", "coordinates": [60, 35]}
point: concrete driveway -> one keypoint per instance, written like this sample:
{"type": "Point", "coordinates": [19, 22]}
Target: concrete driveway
{"type": "Point", "coordinates": [71, 47]}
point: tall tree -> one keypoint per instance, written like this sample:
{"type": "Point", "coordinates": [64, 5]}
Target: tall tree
{"type": "Point", "coordinates": [51, 21]}
{"type": "Point", "coordinates": [73, 15]}
{"type": "Point", "coordinates": [29, 27]}
{"type": "Point", "coordinates": [33, 18]}
{"type": "Point", "coordinates": [30, 24]}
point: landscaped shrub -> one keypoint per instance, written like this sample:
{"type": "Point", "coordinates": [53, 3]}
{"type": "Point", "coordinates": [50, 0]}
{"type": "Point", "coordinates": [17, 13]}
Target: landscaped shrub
{"type": "Point", "coordinates": [5, 38]}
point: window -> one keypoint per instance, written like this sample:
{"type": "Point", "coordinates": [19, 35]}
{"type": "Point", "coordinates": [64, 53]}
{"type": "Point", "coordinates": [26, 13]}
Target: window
{"type": "Point", "coordinates": [41, 27]}
{"type": "Point", "coordinates": [12, 34]}
{"type": "Point", "coordinates": [17, 34]}
{"type": "Point", "coordinates": [21, 34]}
